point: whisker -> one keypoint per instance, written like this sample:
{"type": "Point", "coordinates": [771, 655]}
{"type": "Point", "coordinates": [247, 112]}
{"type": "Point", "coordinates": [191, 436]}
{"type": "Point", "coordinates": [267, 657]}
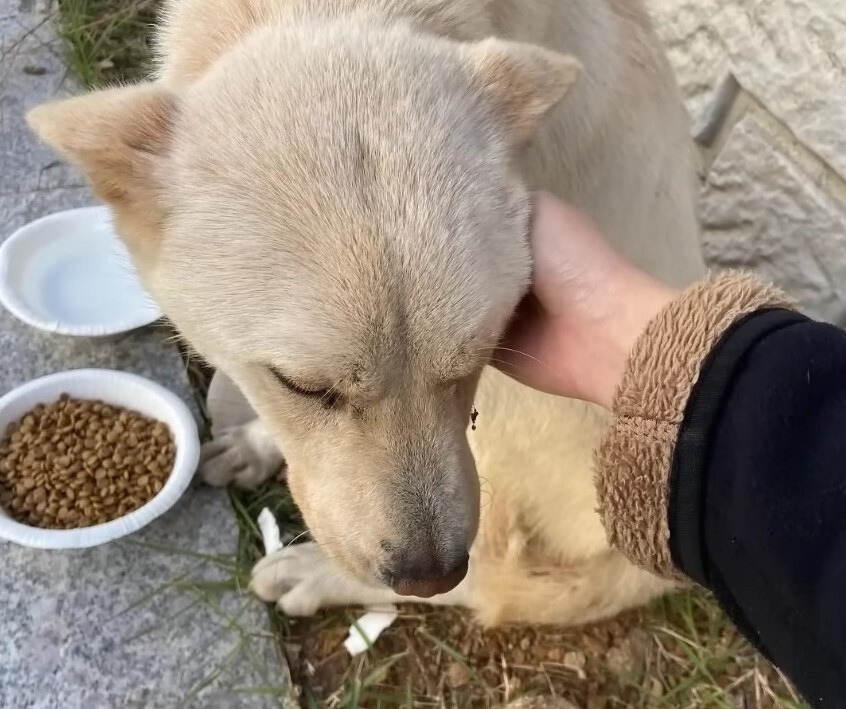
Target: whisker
{"type": "Point", "coordinates": [296, 537]}
{"type": "Point", "coordinates": [495, 360]}
{"type": "Point", "coordinates": [524, 354]}
{"type": "Point", "coordinates": [548, 367]}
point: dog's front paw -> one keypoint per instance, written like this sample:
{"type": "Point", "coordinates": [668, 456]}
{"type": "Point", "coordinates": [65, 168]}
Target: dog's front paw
{"type": "Point", "coordinates": [244, 455]}
{"type": "Point", "coordinates": [299, 578]}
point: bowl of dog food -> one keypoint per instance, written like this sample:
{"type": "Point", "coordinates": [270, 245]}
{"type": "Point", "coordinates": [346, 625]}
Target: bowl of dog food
{"type": "Point", "coordinates": [91, 455]}
{"type": "Point", "coordinates": [68, 273]}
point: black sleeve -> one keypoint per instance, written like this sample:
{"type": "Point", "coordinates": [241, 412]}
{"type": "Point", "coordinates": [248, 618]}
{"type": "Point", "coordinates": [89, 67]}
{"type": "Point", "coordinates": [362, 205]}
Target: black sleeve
{"type": "Point", "coordinates": [757, 499]}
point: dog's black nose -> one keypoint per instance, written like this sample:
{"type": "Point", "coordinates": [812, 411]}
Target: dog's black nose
{"type": "Point", "coordinates": [422, 572]}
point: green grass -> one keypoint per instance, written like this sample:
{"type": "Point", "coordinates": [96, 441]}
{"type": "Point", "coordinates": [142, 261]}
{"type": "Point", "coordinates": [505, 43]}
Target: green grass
{"type": "Point", "coordinates": [107, 41]}
{"type": "Point", "coordinates": [692, 656]}
{"type": "Point", "coordinates": [703, 661]}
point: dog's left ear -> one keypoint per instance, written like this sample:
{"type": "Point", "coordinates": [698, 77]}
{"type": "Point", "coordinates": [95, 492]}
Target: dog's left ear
{"type": "Point", "coordinates": [522, 80]}
{"type": "Point", "coordinates": [116, 136]}
{"type": "Point", "coordinates": [120, 138]}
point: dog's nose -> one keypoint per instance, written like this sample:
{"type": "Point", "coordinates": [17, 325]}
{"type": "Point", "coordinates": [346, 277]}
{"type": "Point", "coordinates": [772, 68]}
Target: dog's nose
{"type": "Point", "coordinates": [420, 572]}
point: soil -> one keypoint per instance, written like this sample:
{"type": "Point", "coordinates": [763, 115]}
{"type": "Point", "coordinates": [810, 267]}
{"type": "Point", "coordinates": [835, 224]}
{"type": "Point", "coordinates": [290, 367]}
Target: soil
{"type": "Point", "coordinates": [442, 658]}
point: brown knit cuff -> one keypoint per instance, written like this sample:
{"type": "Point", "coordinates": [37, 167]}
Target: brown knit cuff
{"type": "Point", "coordinates": [633, 461]}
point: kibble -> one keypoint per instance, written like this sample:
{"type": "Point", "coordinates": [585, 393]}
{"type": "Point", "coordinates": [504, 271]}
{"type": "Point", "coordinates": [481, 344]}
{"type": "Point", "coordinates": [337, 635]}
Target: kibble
{"type": "Point", "coordinates": [78, 462]}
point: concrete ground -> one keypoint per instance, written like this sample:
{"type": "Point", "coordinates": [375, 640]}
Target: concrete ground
{"type": "Point", "coordinates": [88, 628]}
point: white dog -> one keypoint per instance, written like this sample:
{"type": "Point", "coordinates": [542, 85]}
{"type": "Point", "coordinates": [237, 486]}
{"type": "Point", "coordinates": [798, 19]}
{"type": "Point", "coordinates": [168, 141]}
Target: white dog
{"type": "Point", "coordinates": [329, 199]}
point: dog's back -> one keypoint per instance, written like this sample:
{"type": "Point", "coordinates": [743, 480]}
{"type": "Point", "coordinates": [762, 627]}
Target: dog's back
{"type": "Point", "coordinates": [620, 148]}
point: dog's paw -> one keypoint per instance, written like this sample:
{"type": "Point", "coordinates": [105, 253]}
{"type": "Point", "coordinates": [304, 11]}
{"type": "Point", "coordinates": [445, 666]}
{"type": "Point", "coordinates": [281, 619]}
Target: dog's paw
{"type": "Point", "coordinates": [244, 455]}
{"type": "Point", "coordinates": [300, 578]}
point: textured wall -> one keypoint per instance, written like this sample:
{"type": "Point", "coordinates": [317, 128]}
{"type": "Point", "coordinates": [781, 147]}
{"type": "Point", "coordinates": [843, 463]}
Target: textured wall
{"type": "Point", "coordinates": [765, 82]}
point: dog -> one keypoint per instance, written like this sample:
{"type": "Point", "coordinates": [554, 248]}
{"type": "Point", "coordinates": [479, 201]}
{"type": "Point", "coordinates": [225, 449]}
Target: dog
{"type": "Point", "coordinates": [330, 200]}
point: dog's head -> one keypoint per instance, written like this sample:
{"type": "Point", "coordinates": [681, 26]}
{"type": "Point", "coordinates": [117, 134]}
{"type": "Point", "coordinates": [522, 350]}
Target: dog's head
{"type": "Point", "coordinates": [334, 217]}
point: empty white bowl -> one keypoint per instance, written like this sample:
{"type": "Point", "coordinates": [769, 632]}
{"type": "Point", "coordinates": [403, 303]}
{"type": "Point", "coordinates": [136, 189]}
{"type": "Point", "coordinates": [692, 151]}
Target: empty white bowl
{"type": "Point", "coordinates": [120, 389]}
{"type": "Point", "coordinates": [70, 274]}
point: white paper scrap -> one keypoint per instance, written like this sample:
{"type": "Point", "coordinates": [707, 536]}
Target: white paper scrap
{"type": "Point", "coordinates": [269, 531]}
{"type": "Point", "coordinates": [365, 631]}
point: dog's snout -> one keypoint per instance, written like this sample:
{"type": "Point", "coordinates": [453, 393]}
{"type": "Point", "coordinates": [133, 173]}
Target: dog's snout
{"type": "Point", "coordinates": [424, 572]}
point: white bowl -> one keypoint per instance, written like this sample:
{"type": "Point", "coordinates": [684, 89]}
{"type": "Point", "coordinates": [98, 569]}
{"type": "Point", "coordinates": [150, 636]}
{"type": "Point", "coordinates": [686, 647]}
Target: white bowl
{"type": "Point", "coordinates": [70, 274]}
{"type": "Point", "coordinates": [121, 389]}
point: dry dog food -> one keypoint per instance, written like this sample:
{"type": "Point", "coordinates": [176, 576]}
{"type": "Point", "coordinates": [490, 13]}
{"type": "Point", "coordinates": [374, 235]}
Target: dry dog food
{"type": "Point", "coordinates": [76, 463]}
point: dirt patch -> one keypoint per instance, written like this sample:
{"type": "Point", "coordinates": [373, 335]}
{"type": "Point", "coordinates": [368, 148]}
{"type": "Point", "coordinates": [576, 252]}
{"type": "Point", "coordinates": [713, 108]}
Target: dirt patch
{"type": "Point", "coordinates": [441, 658]}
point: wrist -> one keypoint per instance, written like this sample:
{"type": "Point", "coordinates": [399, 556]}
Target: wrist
{"type": "Point", "coordinates": [641, 298]}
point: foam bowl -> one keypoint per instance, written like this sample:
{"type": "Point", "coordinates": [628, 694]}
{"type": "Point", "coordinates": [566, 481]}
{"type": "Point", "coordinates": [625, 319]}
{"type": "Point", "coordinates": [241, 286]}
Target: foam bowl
{"type": "Point", "coordinates": [68, 273]}
{"type": "Point", "coordinates": [121, 389]}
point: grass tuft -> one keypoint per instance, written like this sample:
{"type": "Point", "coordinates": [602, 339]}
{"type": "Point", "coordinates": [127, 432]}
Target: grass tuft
{"type": "Point", "coordinates": [107, 41]}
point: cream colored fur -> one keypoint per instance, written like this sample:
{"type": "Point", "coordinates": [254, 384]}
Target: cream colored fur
{"type": "Point", "coordinates": [339, 189]}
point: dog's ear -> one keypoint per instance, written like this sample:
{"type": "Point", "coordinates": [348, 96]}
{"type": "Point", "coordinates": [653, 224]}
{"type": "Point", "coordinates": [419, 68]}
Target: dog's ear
{"type": "Point", "coordinates": [522, 80]}
{"type": "Point", "coordinates": [119, 138]}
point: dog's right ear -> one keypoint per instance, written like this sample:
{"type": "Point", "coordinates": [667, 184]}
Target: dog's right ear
{"type": "Point", "coordinates": [120, 139]}
{"type": "Point", "coordinates": [522, 80]}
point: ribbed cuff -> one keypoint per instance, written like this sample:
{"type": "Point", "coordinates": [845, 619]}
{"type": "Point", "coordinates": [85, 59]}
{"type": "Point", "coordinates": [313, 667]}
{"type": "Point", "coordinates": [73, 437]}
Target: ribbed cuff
{"type": "Point", "coordinates": [635, 459]}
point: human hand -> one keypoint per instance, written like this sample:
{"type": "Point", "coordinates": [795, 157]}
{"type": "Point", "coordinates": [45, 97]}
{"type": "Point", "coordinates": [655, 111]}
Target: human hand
{"type": "Point", "coordinates": [572, 334]}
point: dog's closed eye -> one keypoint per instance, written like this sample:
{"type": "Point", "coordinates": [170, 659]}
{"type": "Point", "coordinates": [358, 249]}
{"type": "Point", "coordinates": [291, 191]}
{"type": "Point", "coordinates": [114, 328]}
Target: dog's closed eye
{"type": "Point", "coordinates": [328, 398]}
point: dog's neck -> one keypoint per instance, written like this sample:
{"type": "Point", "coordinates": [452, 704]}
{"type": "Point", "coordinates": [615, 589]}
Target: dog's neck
{"type": "Point", "coordinates": [196, 33]}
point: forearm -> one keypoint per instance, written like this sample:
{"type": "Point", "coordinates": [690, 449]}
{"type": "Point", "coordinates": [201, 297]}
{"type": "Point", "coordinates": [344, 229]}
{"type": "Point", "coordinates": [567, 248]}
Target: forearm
{"type": "Point", "coordinates": [727, 464]}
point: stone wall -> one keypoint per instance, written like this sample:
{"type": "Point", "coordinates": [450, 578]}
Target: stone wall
{"type": "Point", "coordinates": [765, 82]}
